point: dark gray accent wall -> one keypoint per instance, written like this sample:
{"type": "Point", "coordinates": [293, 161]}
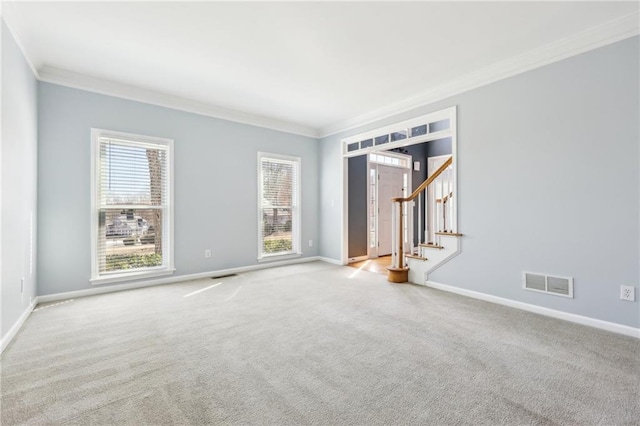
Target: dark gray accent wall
{"type": "Point", "coordinates": [357, 206]}
{"type": "Point", "coordinates": [437, 148]}
{"type": "Point", "coordinates": [533, 180]}
{"type": "Point", "coordinates": [417, 153]}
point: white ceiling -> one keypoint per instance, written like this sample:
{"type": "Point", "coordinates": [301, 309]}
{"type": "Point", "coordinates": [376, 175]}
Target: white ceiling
{"type": "Point", "coordinates": [317, 66]}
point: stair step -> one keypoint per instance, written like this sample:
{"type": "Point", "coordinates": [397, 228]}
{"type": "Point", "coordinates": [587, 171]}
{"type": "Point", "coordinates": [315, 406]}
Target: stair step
{"type": "Point", "coordinates": [454, 234]}
{"type": "Point", "coordinates": [415, 256]}
{"type": "Point", "coordinates": [435, 246]}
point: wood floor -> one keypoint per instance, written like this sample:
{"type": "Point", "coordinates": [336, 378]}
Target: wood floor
{"type": "Point", "coordinates": [379, 265]}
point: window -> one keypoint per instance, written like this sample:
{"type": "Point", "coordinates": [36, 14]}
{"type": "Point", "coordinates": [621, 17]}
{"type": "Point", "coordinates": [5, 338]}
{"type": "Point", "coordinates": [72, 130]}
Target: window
{"type": "Point", "coordinates": [278, 206]}
{"type": "Point", "coordinates": [132, 208]}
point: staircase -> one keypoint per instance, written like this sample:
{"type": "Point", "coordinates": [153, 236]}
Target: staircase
{"type": "Point", "coordinates": [413, 264]}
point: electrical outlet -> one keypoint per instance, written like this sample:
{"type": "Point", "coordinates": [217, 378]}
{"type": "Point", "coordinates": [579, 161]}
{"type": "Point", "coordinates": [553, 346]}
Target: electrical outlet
{"type": "Point", "coordinates": [628, 292]}
{"type": "Point", "coordinates": [207, 254]}
{"type": "Point", "coordinates": [310, 243]}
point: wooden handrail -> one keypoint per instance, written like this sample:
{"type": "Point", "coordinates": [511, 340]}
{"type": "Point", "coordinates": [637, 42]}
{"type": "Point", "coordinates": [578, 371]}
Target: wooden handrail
{"type": "Point", "coordinates": [426, 183]}
{"type": "Point", "coordinates": [445, 199]}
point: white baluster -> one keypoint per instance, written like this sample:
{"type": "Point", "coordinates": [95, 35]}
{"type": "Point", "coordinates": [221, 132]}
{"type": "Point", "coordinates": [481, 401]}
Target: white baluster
{"type": "Point", "coordinates": [419, 220]}
{"type": "Point", "coordinates": [410, 232]}
{"type": "Point", "coordinates": [393, 234]}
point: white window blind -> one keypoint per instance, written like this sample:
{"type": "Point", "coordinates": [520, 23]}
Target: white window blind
{"type": "Point", "coordinates": [132, 204]}
{"type": "Point", "coordinates": [279, 205]}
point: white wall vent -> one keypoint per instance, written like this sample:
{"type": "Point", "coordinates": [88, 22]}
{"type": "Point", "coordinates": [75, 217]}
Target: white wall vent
{"type": "Point", "coordinates": [560, 286]}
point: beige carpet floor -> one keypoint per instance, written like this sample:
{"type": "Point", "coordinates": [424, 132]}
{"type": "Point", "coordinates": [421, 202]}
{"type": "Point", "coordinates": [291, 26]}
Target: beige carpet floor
{"type": "Point", "coordinates": [311, 344]}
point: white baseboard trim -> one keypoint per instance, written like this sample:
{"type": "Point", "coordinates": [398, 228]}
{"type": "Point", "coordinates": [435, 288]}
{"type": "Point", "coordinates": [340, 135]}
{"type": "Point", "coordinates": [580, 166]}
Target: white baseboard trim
{"type": "Point", "coordinates": [169, 280]}
{"type": "Point", "coordinates": [330, 260]}
{"type": "Point", "coordinates": [358, 259]}
{"type": "Point", "coordinates": [578, 319]}
{"type": "Point", "coordinates": [6, 339]}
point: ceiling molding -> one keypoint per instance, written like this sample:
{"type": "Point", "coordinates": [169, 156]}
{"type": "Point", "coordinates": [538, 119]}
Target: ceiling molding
{"type": "Point", "coordinates": [598, 36]}
{"type": "Point", "coordinates": [106, 87]}
{"type": "Point", "coordinates": [12, 24]}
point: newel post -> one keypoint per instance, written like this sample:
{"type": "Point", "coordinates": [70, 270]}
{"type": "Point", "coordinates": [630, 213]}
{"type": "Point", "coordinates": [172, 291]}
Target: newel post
{"type": "Point", "coordinates": [397, 272]}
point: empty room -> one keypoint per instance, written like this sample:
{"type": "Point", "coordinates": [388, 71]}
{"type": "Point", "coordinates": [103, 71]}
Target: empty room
{"type": "Point", "coordinates": [328, 213]}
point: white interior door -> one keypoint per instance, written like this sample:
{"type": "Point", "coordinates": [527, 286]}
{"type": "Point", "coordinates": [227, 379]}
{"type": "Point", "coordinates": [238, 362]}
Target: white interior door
{"type": "Point", "coordinates": [390, 183]}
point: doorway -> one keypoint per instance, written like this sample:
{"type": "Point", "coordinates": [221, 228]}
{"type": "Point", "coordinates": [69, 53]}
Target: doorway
{"type": "Point", "coordinates": [362, 196]}
{"type": "Point", "coordinates": [390, 181]}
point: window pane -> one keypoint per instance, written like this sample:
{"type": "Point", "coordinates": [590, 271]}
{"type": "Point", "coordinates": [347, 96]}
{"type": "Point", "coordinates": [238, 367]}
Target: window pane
{"type": "Point", "coordinates": [396, 136]}
{"type": "Point", "coordinates": [132, 204]}
{"type": "Point", "coordinates": [279, 180]}
{"type": "Point", "coordinates": [353, 146]}
{"type": "Point", "coordinates": [131, 174]}
{"type": "Point", "coordinates": [366, 144]}
{"type": "Point", "coordinates": [439, 126]}
{"type": "Point", "coordinates": [420, 130]}
{"type": "Point", "coordinates": [382, 139]}
{"type": "Point", "coordinates": [277, 184]}
{"type": "Point", "coordinates": [129, 239]}
{"type": "Point", "coordinates": [276, 230]}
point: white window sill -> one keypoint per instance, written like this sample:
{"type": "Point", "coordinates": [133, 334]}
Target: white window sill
{"type": "Point", "coordinates": [276, 257]}
{"type": "Point", "coordinates": [115, 278]}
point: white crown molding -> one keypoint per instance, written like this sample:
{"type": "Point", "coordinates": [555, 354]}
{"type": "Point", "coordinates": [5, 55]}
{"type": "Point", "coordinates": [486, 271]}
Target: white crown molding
{"type": "Point", "coordinates": [592, 38]}
{"type": "Point", "coordinates": [13, 23]}
{"type": "Point", "coordinates": [598, 36]}
{"type": "Point", "coordinates": [106, 87]}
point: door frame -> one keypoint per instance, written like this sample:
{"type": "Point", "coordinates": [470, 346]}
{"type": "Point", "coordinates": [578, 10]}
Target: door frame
{"type": "Point", "coordinates": [372, 252]}
{"type": "Point", "coordinates": [448, 113]}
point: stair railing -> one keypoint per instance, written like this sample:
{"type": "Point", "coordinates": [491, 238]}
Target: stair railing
{"type": "Point", "coordinates": [442, 220]}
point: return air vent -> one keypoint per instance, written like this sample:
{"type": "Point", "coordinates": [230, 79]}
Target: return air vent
{"type": "Point", "coordinates": [560, 286]}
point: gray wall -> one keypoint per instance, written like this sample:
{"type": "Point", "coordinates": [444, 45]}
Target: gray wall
{"type": "Point", "coordinates": [18, 182]}
{"type": "Point", "coordinates": [215, 183]}
{"type": "Point", "coordinates": [548, 182]}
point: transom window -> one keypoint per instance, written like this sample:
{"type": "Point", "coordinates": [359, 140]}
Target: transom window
{"type": "Point", "coordinates": [278, 206]}
{"type": "Point", "coordinates": [437, 125]}
{"type": "Point", "coordinates": [132, 209]}
{"type": "Point", "coordinates": [389, 160]}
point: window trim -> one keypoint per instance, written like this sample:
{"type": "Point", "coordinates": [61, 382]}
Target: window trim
{"type": "Point", "coordinates": [296, 215]}
{"type": "Point", "coordinates": [168, 255]}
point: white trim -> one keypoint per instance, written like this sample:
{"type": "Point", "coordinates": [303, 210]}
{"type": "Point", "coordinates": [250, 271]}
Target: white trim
{"type": "Point", "coordinates": [578, 319]}
{"type": "Point", "coordinates": [296, 209]}
{"type": "Point", "coordinates": [600, 35]}
{"type": "Point", "coordinates": [11, 334]}
{"type": "Point", "coordinates": [450, 113]}
{"type": "Point", "coordinates": [168, 231]}
{"type": "Point", "coordinates": [11, 20]}
{"type": "Point", "coordinates": [358, 258]}
{"type": "Point", "coordinates": [330, 260]}
{"type": "Point", "coordinates": [592, 38]}
{"type": "Point", "coordinates": [344, 231]}
{"type": "Point", "coordinates": [13, 331]}
{"type": "Point", "coordinates": [399, 126]}
{"type": "Point", "coordinates": [275, 257]}
{"type": "Point", "coordinates": [74, 80]}
{"type": "Point", "coordinates": [171, 280]}
{"type": "Point", "coordinates": [135, 275]}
